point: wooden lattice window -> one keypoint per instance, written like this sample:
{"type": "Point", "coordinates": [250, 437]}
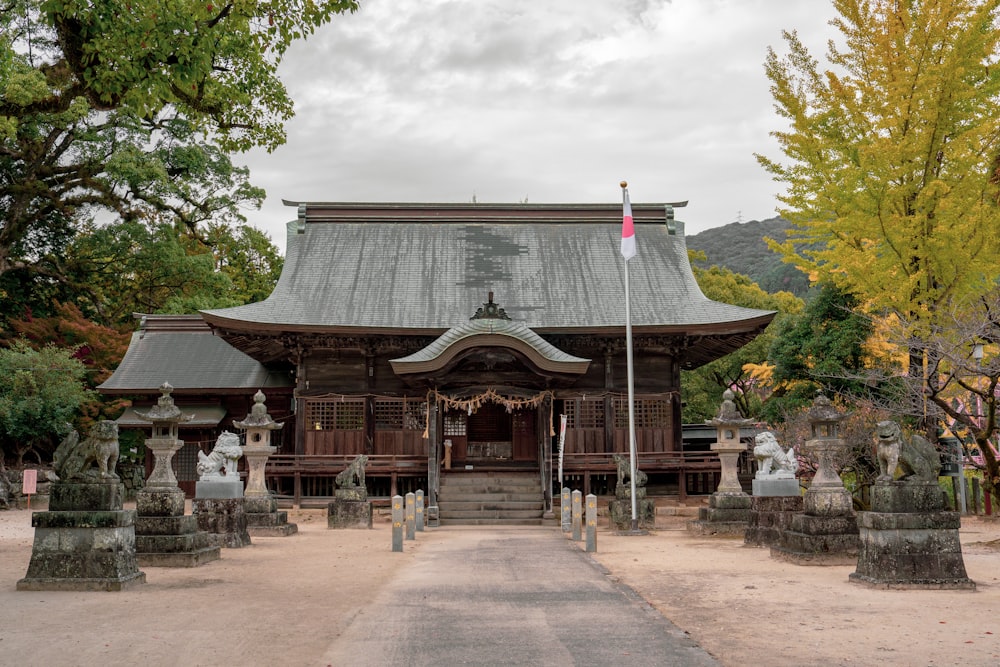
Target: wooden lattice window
{"type": "Point", "coordinates": [649, 412]}
{"type": "Point", "coordinates": [347, 414]}
{"type": "Point", "coordinates": [400, 414]}
{"type": "Point", "coordinates": [454, 424]}
{"type": "Point", "coordinates": [584, 413]}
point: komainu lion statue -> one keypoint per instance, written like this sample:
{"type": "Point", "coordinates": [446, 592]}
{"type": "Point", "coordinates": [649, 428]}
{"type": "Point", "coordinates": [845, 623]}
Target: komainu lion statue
{"type": "Point", "coordinates": [772, 459]}
{"type": "Point", "coordinates": [916, 458]}
{"type": "Point", "coordinates": [625, 472]}
{"type": "Point", "coordinates": [353, 476]}
{"type": "Point", "coordinates": [225, 454]}
{"type": "Point", "coordinates": [76, 460]}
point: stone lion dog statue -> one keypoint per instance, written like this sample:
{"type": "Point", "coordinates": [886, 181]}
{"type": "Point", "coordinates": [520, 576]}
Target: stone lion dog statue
{"type": "Point", "coordinates": [624, 466]}
{"type": "Point", "coordinates": [353, 476]}
{"type": "Point", "coordinates": [225, 455]}
{"type": "Point", "coordinates": [76, 460]}
{"type": "Point", "coordinates": [772, 460]}
{"type": "Point", "coordinates": [916, 458]}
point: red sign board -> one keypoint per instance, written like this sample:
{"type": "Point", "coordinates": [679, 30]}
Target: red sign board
{"type": "Point", "coordinates": [29, 482]}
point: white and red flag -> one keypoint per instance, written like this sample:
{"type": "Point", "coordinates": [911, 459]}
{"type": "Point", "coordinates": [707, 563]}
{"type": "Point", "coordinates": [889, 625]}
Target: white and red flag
{"type": "Point", "coordinates": [628, 229]}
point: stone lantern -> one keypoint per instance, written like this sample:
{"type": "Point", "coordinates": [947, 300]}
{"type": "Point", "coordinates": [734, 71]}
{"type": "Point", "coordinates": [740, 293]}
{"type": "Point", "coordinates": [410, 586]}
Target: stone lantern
{"type": "Point", "coordinates": [728, 510]}
{"type": "Point", "coordinates": [728, 445]}
{"type": "Point", "coordinates": [826, 532]}
{"type": "Point", "coordinates": [164, 443]}
{"type": "Point", "coordinates": [164, 535]}
{"type": "Point", "coordinates": [826, 494]}
{"type": "Point", "coordinates": [263, 517]}
{"type": "Point", "coordinates": [257, 447]}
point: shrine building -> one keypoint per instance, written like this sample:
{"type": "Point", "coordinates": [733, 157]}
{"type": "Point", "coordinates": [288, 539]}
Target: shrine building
{"type": "Point", "coordinates": [445, 340]}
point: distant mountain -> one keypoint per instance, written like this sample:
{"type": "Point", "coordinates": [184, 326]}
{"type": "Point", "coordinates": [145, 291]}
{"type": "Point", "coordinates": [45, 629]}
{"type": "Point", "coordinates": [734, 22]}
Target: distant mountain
{"type": "Point", "coordinates": [740, 247]}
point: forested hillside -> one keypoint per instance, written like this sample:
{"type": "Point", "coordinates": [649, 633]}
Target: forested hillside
{"type": "Point", "coordinates": [740, 247]}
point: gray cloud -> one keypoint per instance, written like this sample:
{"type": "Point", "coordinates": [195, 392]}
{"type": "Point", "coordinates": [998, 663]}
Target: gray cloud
{"type": "Point", "coordinates": [443, 100]}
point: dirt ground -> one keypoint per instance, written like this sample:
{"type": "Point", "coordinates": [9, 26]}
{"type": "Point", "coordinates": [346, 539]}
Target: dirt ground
{"type": "Point", "coordinates": [282, 601]}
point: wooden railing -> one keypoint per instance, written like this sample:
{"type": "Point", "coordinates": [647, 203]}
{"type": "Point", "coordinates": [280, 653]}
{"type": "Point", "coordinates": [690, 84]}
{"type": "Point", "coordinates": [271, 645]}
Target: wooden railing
{"type": "Point", "coordinates": [645, 461]}
{"type": "Point", "coordinates": [316, 464]}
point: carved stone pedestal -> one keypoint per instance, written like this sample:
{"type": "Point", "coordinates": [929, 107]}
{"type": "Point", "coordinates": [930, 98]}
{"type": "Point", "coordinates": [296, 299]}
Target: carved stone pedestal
{"type": "Point", "coordinates": [826, 533]}
{"type": "Point", "coordinates": [909, 541]}
{"type": "Point", "coordinates": [726, 514]}
{"type": "Point", "coordinates": [621, 513]}
{"type": "Point", "coordinates": [349, 514]}
{"type": "Point", "coordinates": [165, 536]}
{"type": "Point", "coordinates": [770, 516]}
{"type": "Point", "coordinates": [224, 519]}
{"type": "Point", "coordinates": [85, 542]}
{"type": "Point", "coordinates": [819, 540]}
{"type": "Point", "coordinates": [264, 519]}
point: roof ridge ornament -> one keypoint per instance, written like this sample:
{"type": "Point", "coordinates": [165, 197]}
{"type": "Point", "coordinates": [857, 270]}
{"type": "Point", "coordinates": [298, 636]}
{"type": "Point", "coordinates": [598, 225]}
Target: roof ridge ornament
{"type": "Point", "coordinates": [490, 311]}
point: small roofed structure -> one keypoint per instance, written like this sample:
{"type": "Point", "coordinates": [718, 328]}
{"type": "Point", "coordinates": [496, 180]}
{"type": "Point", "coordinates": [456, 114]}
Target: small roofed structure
{"type": "Point", "coordinates": [211, 381]}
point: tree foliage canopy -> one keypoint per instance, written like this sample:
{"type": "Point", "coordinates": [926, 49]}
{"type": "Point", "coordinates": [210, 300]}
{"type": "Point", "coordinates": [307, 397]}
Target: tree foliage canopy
{"type": "Point", "coordinates": [890, 152]}
{"type": "Point", "coordinates": [41, 392]}
{"type": "Point", "coordinates": [131, 107]}
{"type": "Point", "coordinates": [703, 386]}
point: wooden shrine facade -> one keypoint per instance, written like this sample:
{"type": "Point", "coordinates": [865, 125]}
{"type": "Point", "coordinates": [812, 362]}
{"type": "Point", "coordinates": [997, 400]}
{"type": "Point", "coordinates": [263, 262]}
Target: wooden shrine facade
{"type": "Point", "coordinates": [438, 338]}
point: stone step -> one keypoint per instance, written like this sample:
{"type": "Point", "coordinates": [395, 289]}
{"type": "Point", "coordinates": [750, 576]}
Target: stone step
{"type": "Point", "coordinates": [466, 495]}
{"type": "Point", "coordinates": [477, 482]}
{"type": "Point", "coordinates": [471, 505]}
{"type": "Point", "coordinates": [490, 498]}
{"type": "Point", "coordinates": [491, 522]}
{"type": "Point", "coordinates": [490, 514]}
{"type": "Point", "coordinates": [677, 511]}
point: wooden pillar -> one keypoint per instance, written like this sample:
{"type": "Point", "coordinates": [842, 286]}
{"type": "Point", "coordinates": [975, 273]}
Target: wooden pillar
{"type": "Point", "coordinates": [370, 404]}
{"type": "Point", "coordinates": [370, 425]}
{"type": "Point", "coordinates": [676, 431]}
{"type": "Point", "coordinates": [609, 403]}
{"type": "Point", "coordinates": [545, 451]}
{"type": "Point", "coordinates": [433, 461]}
{"type": "Point", "coordinates": [300, 404]}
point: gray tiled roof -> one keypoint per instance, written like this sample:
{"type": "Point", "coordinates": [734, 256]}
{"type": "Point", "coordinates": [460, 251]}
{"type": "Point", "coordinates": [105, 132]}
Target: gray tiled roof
{"type": "Point", "coordinates": [551, 275]}
{"type": "Point", "coordinates": [189, 357]}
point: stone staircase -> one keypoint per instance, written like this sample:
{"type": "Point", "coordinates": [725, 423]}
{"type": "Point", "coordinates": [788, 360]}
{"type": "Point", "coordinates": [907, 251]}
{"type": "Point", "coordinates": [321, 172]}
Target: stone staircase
{"type": "Point", "coordinates": [490, 499]}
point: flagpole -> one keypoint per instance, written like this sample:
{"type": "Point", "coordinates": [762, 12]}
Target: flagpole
{"type": "Point", "coordinates": [631, 382]}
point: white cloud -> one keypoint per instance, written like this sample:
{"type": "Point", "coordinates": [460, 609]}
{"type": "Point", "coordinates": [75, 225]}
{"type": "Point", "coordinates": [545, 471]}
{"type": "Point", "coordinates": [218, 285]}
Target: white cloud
{"type": "Point", "coordinates": [555, 101]}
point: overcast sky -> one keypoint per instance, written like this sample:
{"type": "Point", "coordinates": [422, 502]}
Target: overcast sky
{"type": "Point", "coordinates": [537, 100]}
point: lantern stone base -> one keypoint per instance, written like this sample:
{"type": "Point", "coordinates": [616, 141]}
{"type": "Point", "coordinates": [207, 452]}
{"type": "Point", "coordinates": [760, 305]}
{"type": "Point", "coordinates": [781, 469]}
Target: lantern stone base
{"type": "Point", "coordinates": [264, 519]}
{"type": "Point", "coordinates": [727, 514]}
{"type": "Point", "coordinates": [916, 549]}
{"type": "Point", "coordinates": [621, 513]}
{"type": "Point", "coordinates": [224, 519]}
{"type": "Point", "coordinates": [819, 540]}
{"type": "Point", "coordinates": [86, 543]}
{"type": "Point", "coordinates": [349, 514]}
{"type": "Point", "coordinates": [165, 536]}
{"type": "Point", "coordinates": [770, 516]}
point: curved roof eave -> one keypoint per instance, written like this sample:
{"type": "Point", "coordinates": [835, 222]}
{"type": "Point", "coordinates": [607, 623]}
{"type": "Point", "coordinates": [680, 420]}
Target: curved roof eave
{"type": "Point", "coordinates": [490, 333]}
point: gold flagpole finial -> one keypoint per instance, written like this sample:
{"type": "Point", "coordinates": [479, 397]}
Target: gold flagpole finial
{"type": "Point", "coordinates": [624, 184]}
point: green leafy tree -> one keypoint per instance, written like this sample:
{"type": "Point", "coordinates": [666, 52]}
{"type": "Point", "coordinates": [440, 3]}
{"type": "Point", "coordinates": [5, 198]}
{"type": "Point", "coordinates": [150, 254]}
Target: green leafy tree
{"type": "Point", "coordinates": [128, 267]}
{"type": "Point", "coordinates": [247, 257]}
{"type": "Point", "coordinates": [703, 387]}
{"type": "Point", "coordinates": [890, 152]}
{"type": "Point", "coordinates": [41, 393]}
{"type": "Point", "coordinates": [131, 107]}
{"type": "Point", "coordinates": [821, 348]}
